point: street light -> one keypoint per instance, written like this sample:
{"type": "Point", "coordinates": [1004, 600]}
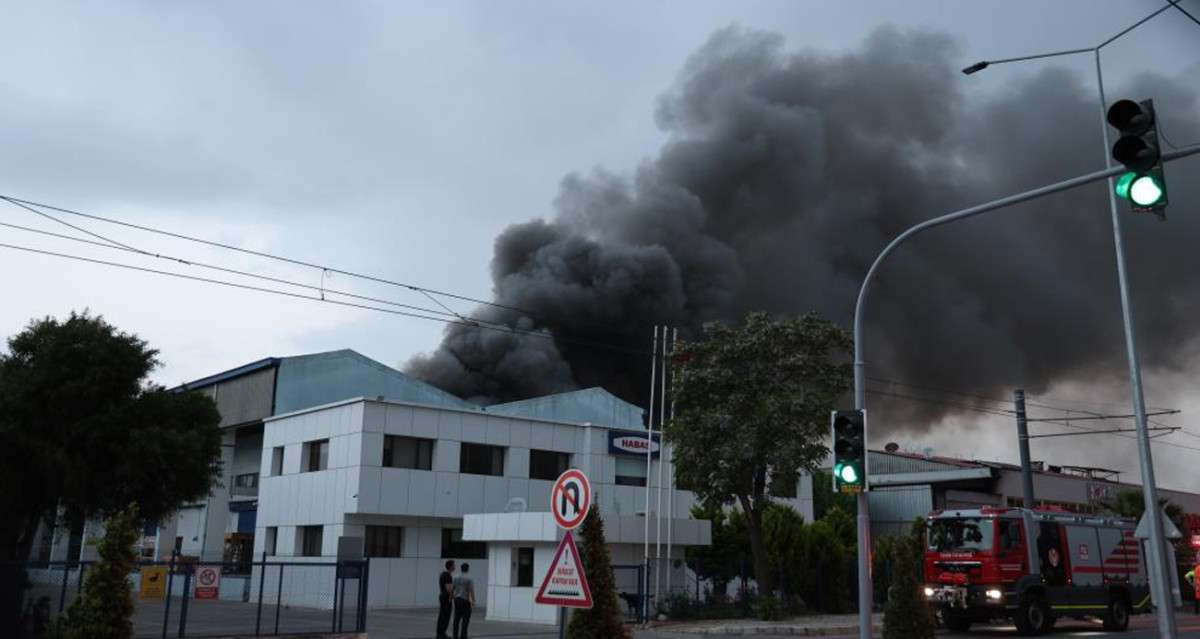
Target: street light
{"type": "Point", "coordinates": [1141, 189]}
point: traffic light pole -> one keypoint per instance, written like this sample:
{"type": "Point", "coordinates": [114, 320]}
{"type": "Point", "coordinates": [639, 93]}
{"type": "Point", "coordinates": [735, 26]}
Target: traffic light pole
{"type": "Point", "coordinates": [1160, 588]}
{"type": "Point", "coordinates": [860, 385]}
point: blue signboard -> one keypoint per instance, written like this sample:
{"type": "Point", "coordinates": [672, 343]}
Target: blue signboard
{"type": "Point", "coordinates": [631, 442]}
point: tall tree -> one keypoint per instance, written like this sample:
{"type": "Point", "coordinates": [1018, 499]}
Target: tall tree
{"type": "Point", "coordinates": [105, 607]}
{"type": "Point", "coordinates": [603, 620]}
{"type": "Point", "coordinates": [82, 430]}
{"type": "Point", "coordinates": [752, 411]}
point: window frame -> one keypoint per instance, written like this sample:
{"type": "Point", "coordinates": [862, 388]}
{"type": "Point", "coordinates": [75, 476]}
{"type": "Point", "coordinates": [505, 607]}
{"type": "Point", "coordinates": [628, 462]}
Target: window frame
{"type": "Point", "coordinates": [423, 448]}
{"type": "Point", "coordinates": [271, 540]}
{"type": "Point", "coordinates": [459, 549]}
{"type": "Point", "coordinates": [524, 572]}
{"type": "Point", "coordinates": [496, 458]}
{"type": "Point", "coordinates": [562, 461]}
{"type": "Point", "coordinates": [630, 480]}
{"type": "Point", "coordinates": [378, 542]}
{"type": "Point", "coordinates": [306, 540]}
{"type": "Point", "coordinates": [277, 453]}
{"type": "Point", "coordinates": [320, 460]}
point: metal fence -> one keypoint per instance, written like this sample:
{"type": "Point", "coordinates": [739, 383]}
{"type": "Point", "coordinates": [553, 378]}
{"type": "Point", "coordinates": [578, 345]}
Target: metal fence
{"type": "Point", "coordinates": [204, 598]}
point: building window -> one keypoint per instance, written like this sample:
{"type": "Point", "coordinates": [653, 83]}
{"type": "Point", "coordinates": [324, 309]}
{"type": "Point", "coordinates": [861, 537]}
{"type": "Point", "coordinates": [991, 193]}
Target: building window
{"type": "Point", "coordinates": [407, 452]}
{"type": "Point", "coordinates": [277, 461]}
{"type": "Point", "coordinates": [478, 459]}
{"type": "Point", "coordinates": [384, 541]}
{"type": "Point", "coordinates": [316, 453]}
{"type": "Point", "coordinates": [75, 541]}
{"type": "Point", "coordinates": [631, 471]}
{"type": "Point", "coordinates": [453, 547]}
{"type": "Point", "coordinates": [272, 536]}
{"type": "Point", "coordinates": [245, 484]}
{"type": "Point", "coordinates": [548, 464]}
{"type": "Point", "coordinates": [311, 538]}
{"type": "Point", "coordinates": [783, 487]}
{"type": "Point", "coordinates": [524, 568]}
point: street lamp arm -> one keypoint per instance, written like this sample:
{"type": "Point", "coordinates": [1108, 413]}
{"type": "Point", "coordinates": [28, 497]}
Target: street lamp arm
{"type": "Point", "coordinates": [1175, 3]}
{"type": "Point", "coordinates": [983, 64]}
{"type": "Point", "coordinates": [860, 390]}
{"type": "Point", "coordinates": [1170, 3]}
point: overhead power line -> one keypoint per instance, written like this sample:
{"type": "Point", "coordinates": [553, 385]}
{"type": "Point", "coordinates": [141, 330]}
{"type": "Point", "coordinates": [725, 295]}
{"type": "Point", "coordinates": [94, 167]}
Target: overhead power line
{"type": "Point", "coordinates": [272, 291]}
{"type": "Point", "coordinates": [280, 258]}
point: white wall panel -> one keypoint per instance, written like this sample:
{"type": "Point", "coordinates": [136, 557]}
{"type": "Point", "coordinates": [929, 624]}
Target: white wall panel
{"type": "Point", "coordinates": [398, 420]}
{"type": "Point", "coordinates": [474, 428]}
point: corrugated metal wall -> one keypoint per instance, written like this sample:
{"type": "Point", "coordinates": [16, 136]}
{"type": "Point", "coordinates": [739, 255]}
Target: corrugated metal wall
{"type": "Point", "coordinates": [244, 399]}
{"type": "Point", "coordinates": [885, 464]}
{"type": "Point", "coordinates": [894, 508]}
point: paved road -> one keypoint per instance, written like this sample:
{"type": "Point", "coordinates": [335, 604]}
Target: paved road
{"type": "Point", "coordinates": [1143, 627]}
{"type": "Point", "coordinates": [220, 617]}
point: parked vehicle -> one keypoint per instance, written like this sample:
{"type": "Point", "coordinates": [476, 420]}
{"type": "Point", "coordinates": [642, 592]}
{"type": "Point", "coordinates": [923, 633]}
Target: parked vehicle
{"type": "Point", "coordinates": [1032, 567]}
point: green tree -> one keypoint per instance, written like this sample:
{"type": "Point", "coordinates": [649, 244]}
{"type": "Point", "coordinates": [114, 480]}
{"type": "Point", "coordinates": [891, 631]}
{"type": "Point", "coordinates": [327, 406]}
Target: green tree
{"type": "Point", "coordinates": [752, 411]}
{"type": "Point", "coordinates": [721, 561]}
{"type": "Point", "coordinates": [83, 431]}
{"type": "Point", "coordinates": [906, 615]}
{"type": "Point", "coordinates": [603, 620]}
{"type": "Point", "coordinates": [104, 610]}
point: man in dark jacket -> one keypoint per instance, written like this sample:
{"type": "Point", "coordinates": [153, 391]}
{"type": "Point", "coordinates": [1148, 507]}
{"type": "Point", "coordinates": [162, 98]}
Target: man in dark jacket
{"type": "Point", "coordinates": [445, 592]}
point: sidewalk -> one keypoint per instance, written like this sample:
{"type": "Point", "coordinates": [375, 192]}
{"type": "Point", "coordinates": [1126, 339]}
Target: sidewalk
{"type": "Point", "coordinates": [806, 626]}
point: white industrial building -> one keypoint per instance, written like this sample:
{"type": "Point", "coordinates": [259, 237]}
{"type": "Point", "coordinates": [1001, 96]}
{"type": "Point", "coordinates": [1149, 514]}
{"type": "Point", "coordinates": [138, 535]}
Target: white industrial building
{"type": "Point", "coordinates": [330, 445]}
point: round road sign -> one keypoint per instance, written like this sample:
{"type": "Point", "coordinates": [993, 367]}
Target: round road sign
{"type": "Point", "coordinates": [570, 498]}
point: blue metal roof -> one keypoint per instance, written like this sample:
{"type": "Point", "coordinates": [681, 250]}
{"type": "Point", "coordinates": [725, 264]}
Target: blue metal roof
{"type": "Point", "coordinates": [244, 369]}
{"type": "Point", "coordinates": [594, 405]}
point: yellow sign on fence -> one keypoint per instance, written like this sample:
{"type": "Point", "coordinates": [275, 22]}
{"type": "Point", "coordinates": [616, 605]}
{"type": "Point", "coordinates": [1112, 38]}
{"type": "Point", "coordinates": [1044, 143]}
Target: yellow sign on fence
{"type": "Point", "coordinates": [154, 582]}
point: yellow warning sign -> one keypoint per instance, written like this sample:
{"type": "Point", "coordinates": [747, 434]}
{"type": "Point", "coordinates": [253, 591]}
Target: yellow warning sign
{"type": "Point", "coordinates": [154, 582]}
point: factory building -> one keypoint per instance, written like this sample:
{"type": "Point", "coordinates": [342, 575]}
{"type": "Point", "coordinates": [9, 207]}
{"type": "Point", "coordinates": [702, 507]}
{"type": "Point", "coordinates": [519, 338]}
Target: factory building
{"type": "Point", "coordinates": [328, 445]}
{"type": "Point", "coordinates": [906, 485]}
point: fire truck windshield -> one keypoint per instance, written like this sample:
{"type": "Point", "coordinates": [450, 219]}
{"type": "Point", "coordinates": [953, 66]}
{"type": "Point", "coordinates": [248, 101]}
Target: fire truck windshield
{"type": "Point", "coordinates": [960, 533]}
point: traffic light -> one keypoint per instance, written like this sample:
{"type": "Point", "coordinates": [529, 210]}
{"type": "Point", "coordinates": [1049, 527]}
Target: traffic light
{"type": "Point", "coordinates": [1137, 148]}
{"type": "Point", "coordinates": [849, 451]}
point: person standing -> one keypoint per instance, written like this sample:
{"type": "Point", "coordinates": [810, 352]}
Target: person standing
{"type": "Point", "coordinates": [464, 600]}
{"type": "Point", "coordinates": [1192, 580]}
{"type": "Point", "coordinates": [445, 592]}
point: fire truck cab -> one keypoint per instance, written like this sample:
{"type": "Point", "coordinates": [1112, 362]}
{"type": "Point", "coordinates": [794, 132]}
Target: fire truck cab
{"type": "Point", "coordinates": [1032, 567]}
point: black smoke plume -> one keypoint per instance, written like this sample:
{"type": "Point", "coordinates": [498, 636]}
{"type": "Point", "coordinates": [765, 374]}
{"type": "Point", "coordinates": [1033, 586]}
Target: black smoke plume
{"type": "Point", "coordinates": [786, 173]}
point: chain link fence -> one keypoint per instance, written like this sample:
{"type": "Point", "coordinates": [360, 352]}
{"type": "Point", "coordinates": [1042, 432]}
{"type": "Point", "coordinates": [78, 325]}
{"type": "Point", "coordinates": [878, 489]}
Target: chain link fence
{"type": "Point", "coordinates": [203, 598]}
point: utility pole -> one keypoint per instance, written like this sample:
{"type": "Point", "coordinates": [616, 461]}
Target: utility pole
{"type": "Point", "coordinates": [1023, 446]}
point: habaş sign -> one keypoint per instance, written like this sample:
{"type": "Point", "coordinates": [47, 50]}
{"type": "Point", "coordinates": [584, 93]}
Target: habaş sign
{"type": "Point", "coordinates": [630, 443]}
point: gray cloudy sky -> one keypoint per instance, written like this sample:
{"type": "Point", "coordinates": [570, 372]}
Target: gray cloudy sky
{"type": "Point", "coordinates": [400, 139]}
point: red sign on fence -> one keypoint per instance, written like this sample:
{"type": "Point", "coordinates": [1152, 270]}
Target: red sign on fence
{"type": "Point", "coordinates": [208, 582]}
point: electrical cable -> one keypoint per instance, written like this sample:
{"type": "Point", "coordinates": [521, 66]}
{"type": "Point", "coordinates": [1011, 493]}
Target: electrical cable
{"type": "Point", "coordinates": [372, 278]}
{"type": "Point", "coordinates": [260, 289]}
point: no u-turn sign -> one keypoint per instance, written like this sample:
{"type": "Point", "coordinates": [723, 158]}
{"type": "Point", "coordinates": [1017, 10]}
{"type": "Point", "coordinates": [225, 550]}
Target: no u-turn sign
{"type": "Point", "coordinates": [570, 498]}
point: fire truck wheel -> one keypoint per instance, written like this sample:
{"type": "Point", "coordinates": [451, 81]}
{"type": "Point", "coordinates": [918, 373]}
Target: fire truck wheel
{"type": "Point", "coordinates": [1117, 616]}
{"type": "Point", "coordinates": [1033, 617]}
{"type": "Point", "coordinates": [956, 621]}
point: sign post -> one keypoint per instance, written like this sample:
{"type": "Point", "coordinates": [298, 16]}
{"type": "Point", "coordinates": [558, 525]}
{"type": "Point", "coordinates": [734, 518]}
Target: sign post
{"type": "Point", "coordinates": [565, 584]}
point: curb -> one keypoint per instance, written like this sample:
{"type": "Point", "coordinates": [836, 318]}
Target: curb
{"type": "Point", "coordinates": [781, 630]}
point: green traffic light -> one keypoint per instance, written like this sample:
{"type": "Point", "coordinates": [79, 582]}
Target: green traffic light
{"type": "Point", "coordinates": [1145, 191]}
{"type": "Point", "coordinates": [848, 474]}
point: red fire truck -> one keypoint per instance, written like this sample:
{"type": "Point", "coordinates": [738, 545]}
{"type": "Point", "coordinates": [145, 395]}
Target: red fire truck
{"type": "Point", "coordinates": [1032, 567]}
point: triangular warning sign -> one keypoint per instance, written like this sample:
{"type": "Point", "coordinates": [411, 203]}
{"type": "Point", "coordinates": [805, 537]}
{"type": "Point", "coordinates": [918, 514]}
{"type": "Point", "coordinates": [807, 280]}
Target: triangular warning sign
{"type": "Point", "coordinates": [565, 584]}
